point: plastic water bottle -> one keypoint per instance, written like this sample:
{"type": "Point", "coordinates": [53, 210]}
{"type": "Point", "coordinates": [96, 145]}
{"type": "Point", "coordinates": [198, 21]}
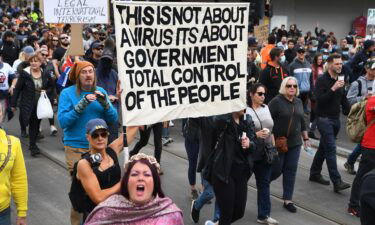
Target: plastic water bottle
{"type": "Point", "coordinates": [309, 151]}
{"type": "Point", "coordinates": [243, 137]}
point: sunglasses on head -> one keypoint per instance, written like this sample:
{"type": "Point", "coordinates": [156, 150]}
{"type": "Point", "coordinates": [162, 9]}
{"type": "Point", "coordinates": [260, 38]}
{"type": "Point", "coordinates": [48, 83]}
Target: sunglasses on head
{"type": "Point", "coordinates": [260, 94]}
{"type": "Point", "coordinates": [101, 134]}
{"type": "Point", "coordinates": [290, 86]}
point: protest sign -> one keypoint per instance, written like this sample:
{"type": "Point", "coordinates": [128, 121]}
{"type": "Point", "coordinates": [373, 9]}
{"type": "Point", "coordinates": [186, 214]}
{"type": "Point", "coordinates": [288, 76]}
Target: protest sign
{"type": "Point", "coordinates": [179, 60]}
{"type": "Point", "coordinates": [261, 33]}
{"type": "Point", "coordinates": [76, 11]}
{"type": "Point", "coordinates": [370, 28]}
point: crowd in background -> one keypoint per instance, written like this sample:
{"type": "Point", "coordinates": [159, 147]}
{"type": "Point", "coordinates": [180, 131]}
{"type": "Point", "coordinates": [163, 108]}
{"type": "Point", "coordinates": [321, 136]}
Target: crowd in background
{"type": "Point", "coordinates": [291, 76]}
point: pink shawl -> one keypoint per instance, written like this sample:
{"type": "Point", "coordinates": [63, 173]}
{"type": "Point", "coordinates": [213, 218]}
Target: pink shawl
{"type": "Point", "coordinates": [119, 210]}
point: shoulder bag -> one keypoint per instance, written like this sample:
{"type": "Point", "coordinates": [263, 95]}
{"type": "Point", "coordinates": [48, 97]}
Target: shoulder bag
{"type": "Point", "coordinates": [270, 153]}
{"type": "Point", "coordinates": [8, 155]}
{"type": "Point", "coordinates": [282, 142]}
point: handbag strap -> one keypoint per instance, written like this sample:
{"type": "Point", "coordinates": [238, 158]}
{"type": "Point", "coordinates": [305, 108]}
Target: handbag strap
{"type": "Point", "coordinates": [260, 122]}
{"type": "Point", "coordinates": [8, 155]}
{"type": "Point", "coordinates": [290, 122]}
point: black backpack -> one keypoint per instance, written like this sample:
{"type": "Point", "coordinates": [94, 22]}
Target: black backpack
{"type": "Point", "coordinates": [77, 194]}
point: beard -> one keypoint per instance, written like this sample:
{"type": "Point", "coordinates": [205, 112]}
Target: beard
{"type": "Point", "coordinates": [65, 44]}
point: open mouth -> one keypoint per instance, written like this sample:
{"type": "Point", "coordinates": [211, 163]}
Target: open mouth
{"type": "Point", "coordinates": [140, 189]}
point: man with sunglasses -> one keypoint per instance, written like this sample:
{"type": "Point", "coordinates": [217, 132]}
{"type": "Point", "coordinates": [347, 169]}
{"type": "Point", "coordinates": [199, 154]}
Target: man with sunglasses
{"type": "Point", "coordinates": [59, 53]}
{"type": "Point", "coordinates": [300, 68]}
{"type": "Point", "coordinates": [330, 97]}
{"type": "Point", "coordinates": [96, 53]}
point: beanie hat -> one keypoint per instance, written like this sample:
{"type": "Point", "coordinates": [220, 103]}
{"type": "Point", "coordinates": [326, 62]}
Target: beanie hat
{"type": "Point", "coordinates": [76, 70]}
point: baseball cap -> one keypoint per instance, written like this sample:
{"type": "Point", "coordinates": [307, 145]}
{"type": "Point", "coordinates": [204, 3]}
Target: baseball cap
{"type": "Point", "coordinates": [28, 50]}
{"type": "Point", "coordinates": [97, 45]}
{"type": "Point", "coordinates": [94, 125]}
{"type": "Point", "coordinates": [301, 50]}
{"type": "Point", "coordinates": [370, 64]}
{"type": "Point", "coordinates": [94, 30]}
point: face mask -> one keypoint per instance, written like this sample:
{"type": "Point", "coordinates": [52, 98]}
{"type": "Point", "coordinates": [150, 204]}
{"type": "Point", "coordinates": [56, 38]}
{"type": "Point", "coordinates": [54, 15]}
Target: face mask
{"type": "Point", "coordinates": [314, 49]}
{"type": "Point", "coordinates": [345, 53]}
{"type": "Point", "coordinates": [282, 59]}
{"type": "Point", "coordinates": [325, 57]}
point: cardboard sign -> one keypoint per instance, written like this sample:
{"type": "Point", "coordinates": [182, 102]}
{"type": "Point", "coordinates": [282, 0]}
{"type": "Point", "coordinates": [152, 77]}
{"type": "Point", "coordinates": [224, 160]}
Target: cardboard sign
{"type": "Point", "coordinates": [261, 33]}
{"type": "Point", "coordinates": [76, 41]}
{"type": "Point", "coordinates": [179, 60]}
{"type": "Point", "coordinates": [76, 11]}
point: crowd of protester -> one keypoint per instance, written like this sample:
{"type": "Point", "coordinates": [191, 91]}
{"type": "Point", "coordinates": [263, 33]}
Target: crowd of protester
{"type": "Point", "coordinates": [290, 77]}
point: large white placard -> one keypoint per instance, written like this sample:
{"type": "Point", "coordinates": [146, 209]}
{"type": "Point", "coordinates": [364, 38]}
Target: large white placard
{"type": "Point", "coordinates": [179, 60]}
{"type": "Point", "coordinates": [76, 11]}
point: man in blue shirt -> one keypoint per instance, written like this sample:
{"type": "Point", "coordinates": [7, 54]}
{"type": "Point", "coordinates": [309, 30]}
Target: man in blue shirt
{"type": "Point", "coordinates": [78, 104]}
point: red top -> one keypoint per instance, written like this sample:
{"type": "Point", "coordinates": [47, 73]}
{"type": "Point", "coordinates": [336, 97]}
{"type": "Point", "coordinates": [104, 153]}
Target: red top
{"type": "Point", "coordinates": [368, 140]}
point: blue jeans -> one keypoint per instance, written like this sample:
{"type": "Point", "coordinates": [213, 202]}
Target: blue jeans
{"type": "Point", "coordinates": [192, 150]}
{"type": "Point", "coordinates": [354, 155]}
{"type": "Point", "coordinates": [262, 173]}
{"type": "Point", "coordinates": [5, 217]}
{"type": "Point", "coordinates": [205, 196]}
{"type": "Point", "coordinates": [328, 128]}
{"type": "Point", "coordinates": [287, 165]}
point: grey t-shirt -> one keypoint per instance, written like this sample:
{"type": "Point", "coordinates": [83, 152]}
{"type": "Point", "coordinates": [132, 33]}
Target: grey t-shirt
{"type": "Point", "coordinates": [265, 118]}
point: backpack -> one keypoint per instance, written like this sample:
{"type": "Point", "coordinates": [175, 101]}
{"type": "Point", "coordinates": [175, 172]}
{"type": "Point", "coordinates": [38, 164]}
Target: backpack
{"type": "Point", "coordinates": [77, 194]}
{"type": "Point", "coordinates": [356, 122]}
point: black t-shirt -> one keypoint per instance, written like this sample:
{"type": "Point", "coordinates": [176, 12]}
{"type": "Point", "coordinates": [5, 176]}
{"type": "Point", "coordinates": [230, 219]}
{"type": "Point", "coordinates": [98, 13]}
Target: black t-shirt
{"type": "Point", "coordinates": [107, 179]}
{"type": "Point", "coordinates": [59, 53]}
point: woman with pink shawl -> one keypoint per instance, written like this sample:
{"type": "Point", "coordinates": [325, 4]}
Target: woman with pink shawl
{"type": "Point", "coordinates": [141, 202]}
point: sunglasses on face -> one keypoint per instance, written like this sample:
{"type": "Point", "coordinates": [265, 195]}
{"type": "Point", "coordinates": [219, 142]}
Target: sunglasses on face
{"type": "Point", "coordinates": [45, 55]}
{"type": "Point", "coordinates": [101, 134]}
{"type": "Point", "coordinates": [62, 38]}
{"type": "Point", "coordinates": [54, 40]}
{"type": "Point", "coordinates": [261, 94]}
{"type": "Point", "coordinates": [98, 49]}
{"type": "Point", "coordinates": [290, 86]}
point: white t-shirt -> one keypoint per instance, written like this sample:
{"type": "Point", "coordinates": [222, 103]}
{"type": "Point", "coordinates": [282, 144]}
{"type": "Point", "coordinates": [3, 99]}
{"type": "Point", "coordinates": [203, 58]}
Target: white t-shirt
{"type": "Point", "coordinates": [6, 72]}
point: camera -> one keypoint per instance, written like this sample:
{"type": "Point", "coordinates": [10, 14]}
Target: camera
{"type": "Point", "coordinates": [95, 159]}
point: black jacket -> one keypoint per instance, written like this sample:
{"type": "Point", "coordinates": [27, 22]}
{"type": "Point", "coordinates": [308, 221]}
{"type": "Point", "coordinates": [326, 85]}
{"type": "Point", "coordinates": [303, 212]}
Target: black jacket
{"type": "Point", "coordinates": [207, 136]}
{"type": "Point", "coordinates": [229, 150]}
{"type": "Point", "coordinates": [272, 77]}
{"type": "Point", "coordinates": [328, 102]}
{"type": "Point", "coordinates": [26, 89]}
{"type": "Point", "coordinates": [357, 64]}
{"type": "Point", "coordinates": [10, 52]}
{"type": "Point", "coordinates": [281, 111]}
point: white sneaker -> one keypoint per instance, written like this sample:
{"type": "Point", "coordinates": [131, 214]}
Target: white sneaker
{"type": "Point", "coordinates": [268, 220]}
{"type": "Point", "coordinates": [171, 124]}
{"type": "Point", "coordinates": [209, 222]}
{"type": "Point", "coordinates": [53, 130]}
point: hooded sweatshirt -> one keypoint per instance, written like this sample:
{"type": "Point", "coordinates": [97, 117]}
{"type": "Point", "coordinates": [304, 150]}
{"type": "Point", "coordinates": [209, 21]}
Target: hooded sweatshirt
{"type": "Point", "coordinates": [302, 71]}
{"type": "Point", "coordinates": [359, 89]}
{"type": "Point", "coordinates": [271, 77]}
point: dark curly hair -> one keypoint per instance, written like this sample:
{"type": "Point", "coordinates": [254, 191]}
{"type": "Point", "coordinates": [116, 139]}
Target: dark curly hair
{"type": "Point", "coordinates": [155, 176]}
